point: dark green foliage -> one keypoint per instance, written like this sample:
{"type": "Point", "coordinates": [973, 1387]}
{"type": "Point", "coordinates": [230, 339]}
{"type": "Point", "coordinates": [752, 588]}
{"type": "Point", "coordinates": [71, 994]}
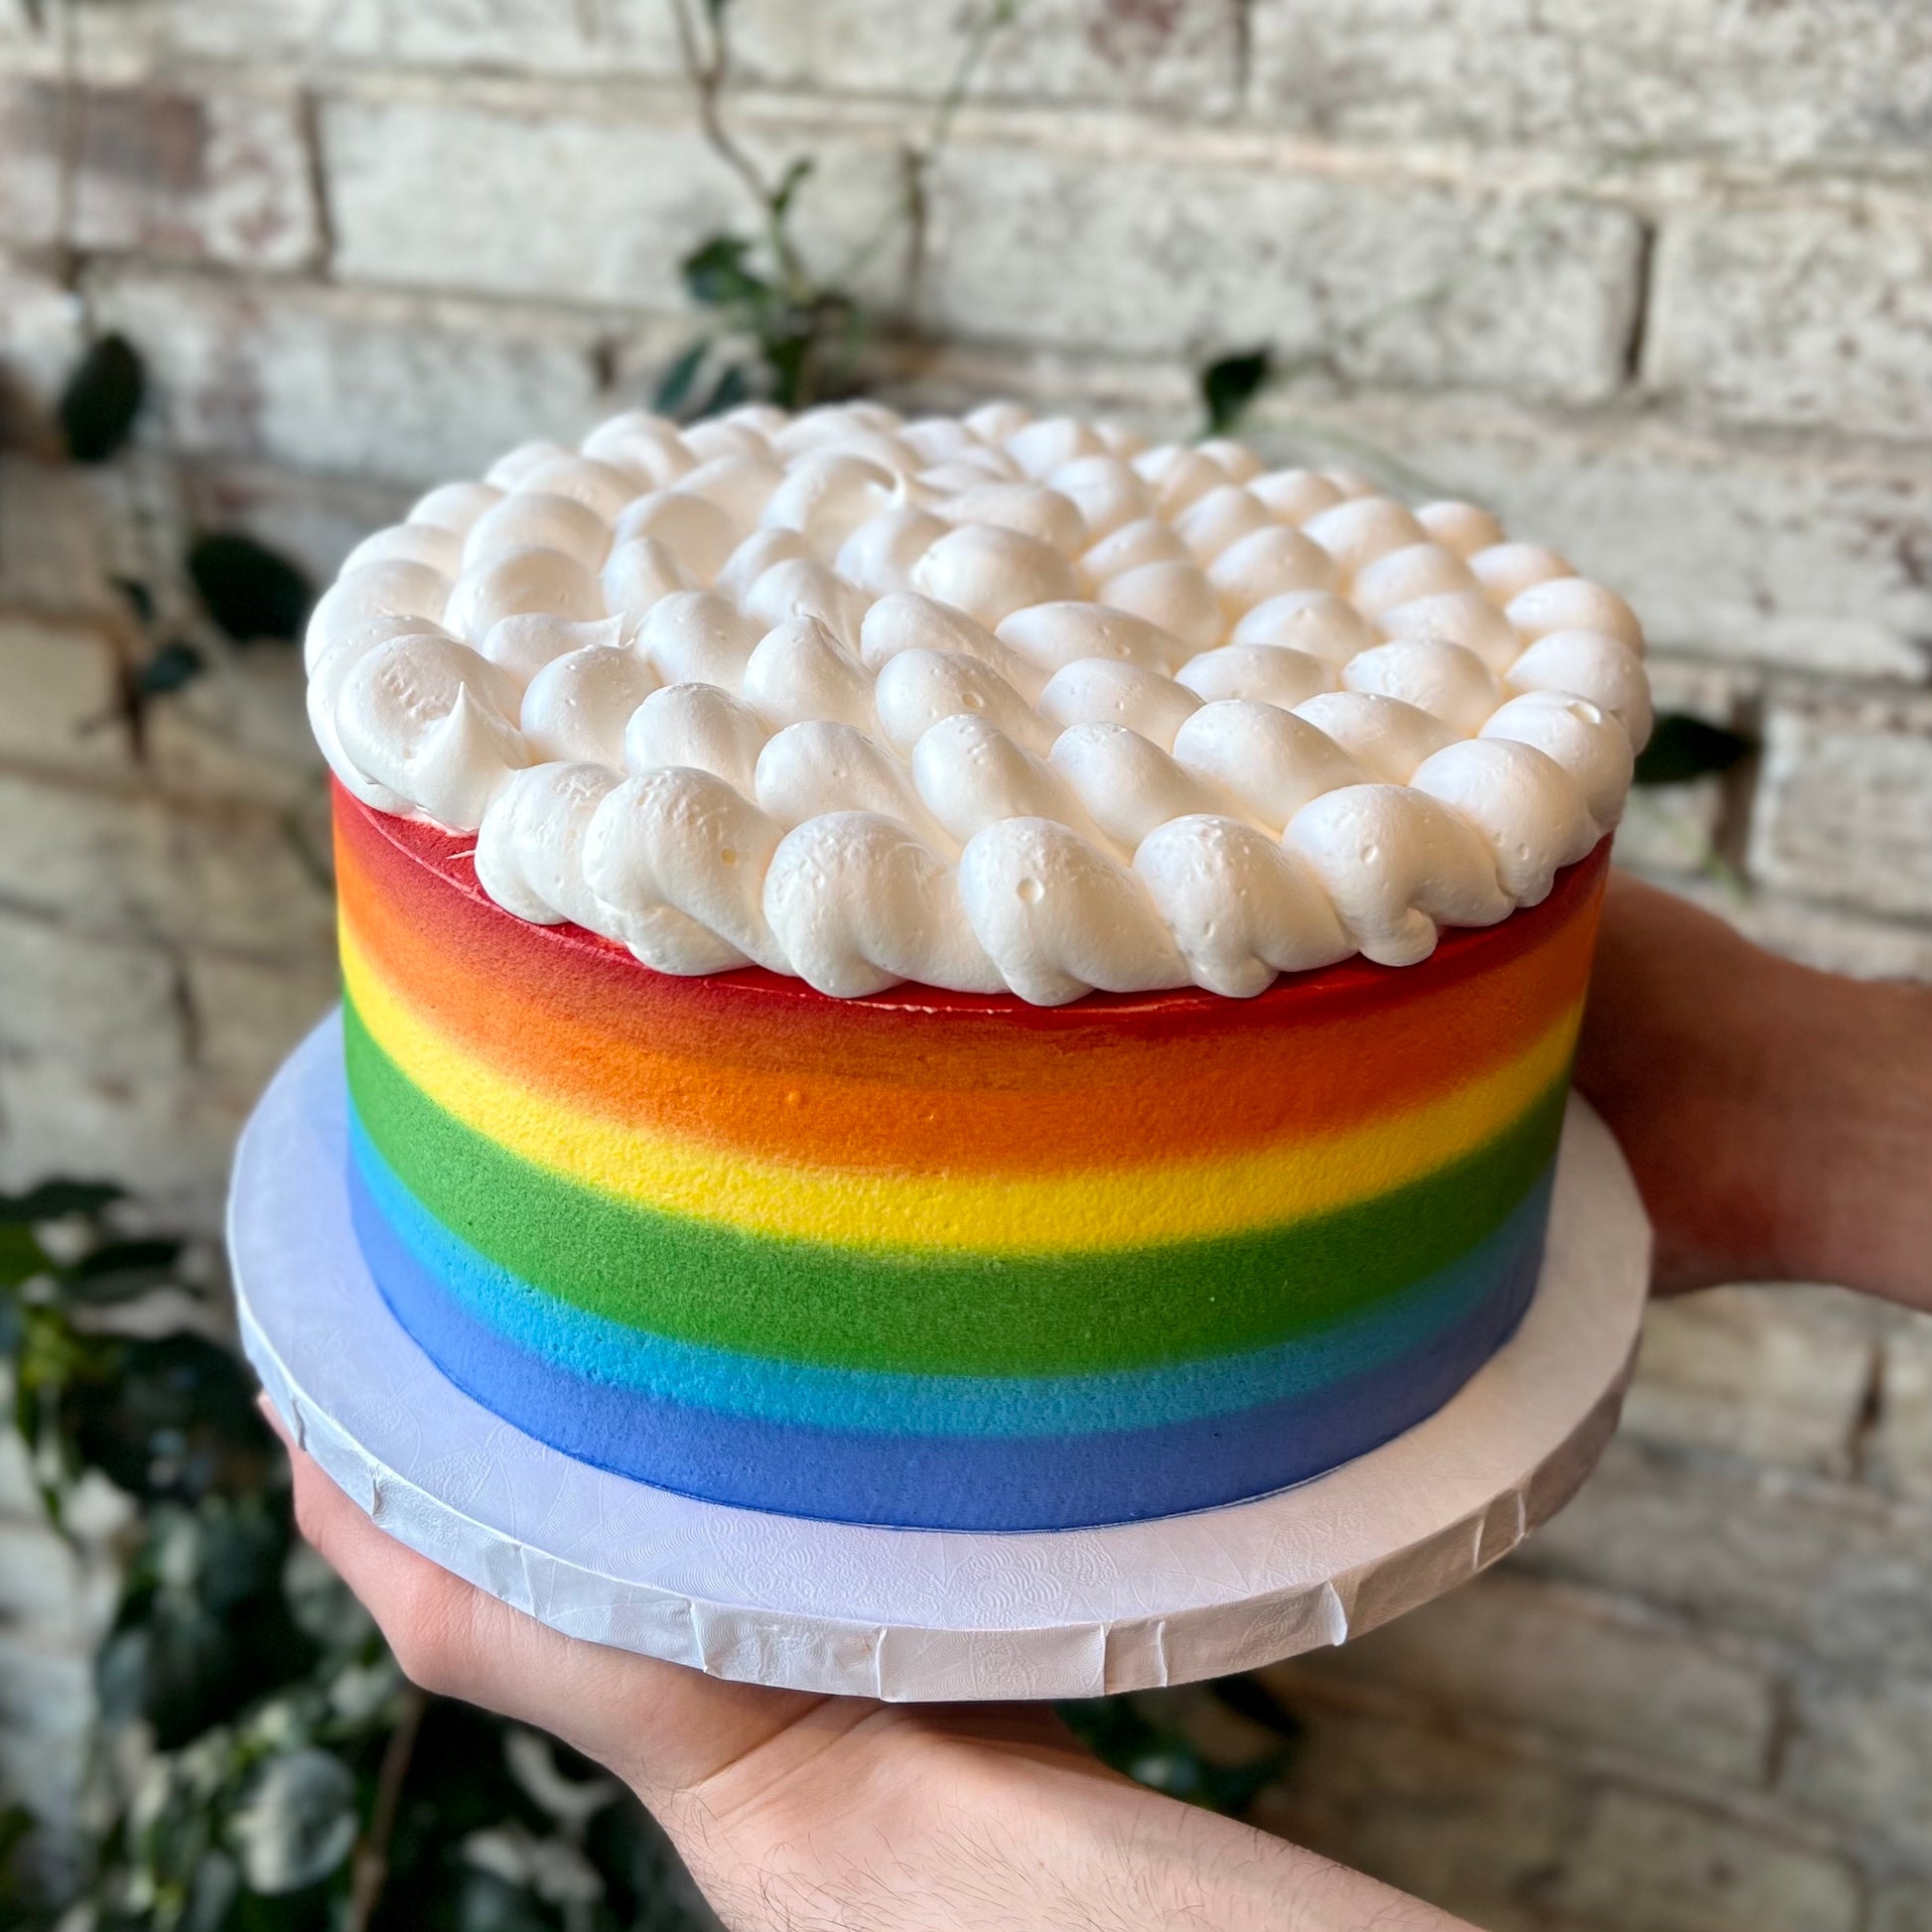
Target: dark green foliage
{"type": "Point", "coordinates": [102, 398]}
{"type": "Point", "coordinates": [254, 594]}
{"type": "Point", "coordinates": [274, 1711]}
{"type": "Point", "coordinates": [777, 335]}
{"type": "Point", "coordinates": [1682, 748]}
{"type": "Point", "coordinates": [170, 668]}
{"type": "Point", "coordinates": [1134, 1737]}
{"type": "Point", "coordinates": [1229, 385]}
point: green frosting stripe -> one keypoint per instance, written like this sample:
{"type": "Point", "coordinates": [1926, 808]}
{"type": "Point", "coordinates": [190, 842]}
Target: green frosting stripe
{"type": "Point", "coordinates": [963, 1315]}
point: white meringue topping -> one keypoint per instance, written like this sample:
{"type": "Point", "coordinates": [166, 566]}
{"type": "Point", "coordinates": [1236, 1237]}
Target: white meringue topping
{"type": "Point", "coordinates": [992, 704]}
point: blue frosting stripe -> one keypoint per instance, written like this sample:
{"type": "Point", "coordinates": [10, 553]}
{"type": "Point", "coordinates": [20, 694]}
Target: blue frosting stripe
{"type": "Point", "coordinates": [558, 1336]}
{"type": "Point", "coordinates": [966, 1481]}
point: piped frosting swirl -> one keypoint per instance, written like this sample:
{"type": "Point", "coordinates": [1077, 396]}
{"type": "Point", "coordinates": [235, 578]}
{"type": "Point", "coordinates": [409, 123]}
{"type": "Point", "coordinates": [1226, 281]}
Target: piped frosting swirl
{"type": "Point", "coordinates": [996, 704]}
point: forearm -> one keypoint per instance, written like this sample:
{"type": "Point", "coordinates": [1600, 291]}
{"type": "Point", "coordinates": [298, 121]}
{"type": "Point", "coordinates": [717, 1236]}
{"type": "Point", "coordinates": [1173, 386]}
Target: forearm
{"type": "Point", "coordinates": [1778, 1120]}
{"type": "Point", "coordinates": [949, 1832]}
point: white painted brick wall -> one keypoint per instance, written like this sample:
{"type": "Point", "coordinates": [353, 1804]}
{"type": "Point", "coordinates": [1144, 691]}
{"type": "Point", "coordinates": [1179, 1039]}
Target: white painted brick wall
{"type": "Point", "coordinates": [1184, 55]}
{"type": "Point", "coordinates": [1653, 1861]}
{"type": "Point", "coordinates": [1845, 814]}
{"type": "Point", "coordinates": [1863, 1753]}
{"type": "Point", "coordinates": [1772, 1376]}
{"type": "Point", "coordinates": [1515, 1651]}
{"type": "Point", "coordinates": [404, 388]}
{"type": "Point", "coordinates": [1396, 284]}
{"type": "Point", "coordinates": [218, 176]}
{"type": "Point", "coordinates": [1827, 1569]}
{"type": "Point", "coordinates": [1799, 307]}
{"type": "Point", "coordinates": [1832, 79]}
{"type": "Point", "coordinates": [523, 201]}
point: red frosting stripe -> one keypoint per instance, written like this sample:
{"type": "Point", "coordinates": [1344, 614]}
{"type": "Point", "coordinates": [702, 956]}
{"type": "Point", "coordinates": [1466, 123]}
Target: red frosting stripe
{"type": "Point", "coordinates": [922, 1082]}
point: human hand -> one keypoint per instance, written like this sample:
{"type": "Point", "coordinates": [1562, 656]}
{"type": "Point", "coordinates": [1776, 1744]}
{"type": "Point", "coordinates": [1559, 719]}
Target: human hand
{"type": "Point", "coordinates": [842, 1813]}
{"type": "Point", "coordinates": [1778, 1120]}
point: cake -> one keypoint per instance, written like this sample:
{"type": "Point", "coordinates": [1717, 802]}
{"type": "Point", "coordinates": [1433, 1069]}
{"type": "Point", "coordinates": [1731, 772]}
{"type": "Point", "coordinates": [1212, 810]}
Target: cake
{"type": "Point", "coordinates": [960, 974]}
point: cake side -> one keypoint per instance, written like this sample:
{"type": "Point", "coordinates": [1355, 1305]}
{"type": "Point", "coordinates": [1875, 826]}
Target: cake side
{"type": "Point", "coordinates": [945, 1260]}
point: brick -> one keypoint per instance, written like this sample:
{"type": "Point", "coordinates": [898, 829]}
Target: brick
{"type": "Point", "coordinates": [1180, 53]}
{"type": "Point", "coordinates": [535, 191]}
{"type": "Point", "coordinates": [1514, 1650]}
{"type": "Point", "coordinates": [521, 201]}
{"type": "Point", "coordinates": [1465, 1825]}
{"type": "Point", "coordinates": [1827, 1569]}
{"type": "Point", "coordinates": [1817, 558]}
{"type": "Point", "coordinates": [248, 880]}
{"type": "Point", "coordinates": [1383, 283]}
{"type": "Point", "coordinates": [1903, 1907]}
{"type": "Point", "coordinates": [240, 731]}
{"type": "Point", "coordinates": [92, 1059]}
{"type": "Point", "coordinates": [1769, 1375]}
{"type": "Point", "coordinates": [1832, 78]}
{"type": "Point", "coordinates": [99, 853]}
{"type": "Point", "coordinates": [389, 386]}
{"type": "Point", "coordinates": [127, 863]}
{"type": "Point", "coordinates": [108, 1009]}
{"type": "Point", "coordinates": [218, 177]}
{"type": "Point", "coordinates": [53, 547]}
{"type": "Point", "coordinates": [1660, 1864]}
{"type": "Point", "coordinates": [248, 1017]}
{"type": "Point", "coordinates": [60, 681]}
{"type": "Point", "coordinates": [1844, 801]}
{"type": "Point", "coordinates": [314, 521]}
{"type": "Point", "coordinates": [1814, 312]}
{"type": "Point", "coordinates": [41, 338]}
{"type": "Point", "coordinates": [1863, 1753]}
{"type": "Point", "coordinates": [601, 38]}
{"type": "Point", "coordinates": [1900, 1444]}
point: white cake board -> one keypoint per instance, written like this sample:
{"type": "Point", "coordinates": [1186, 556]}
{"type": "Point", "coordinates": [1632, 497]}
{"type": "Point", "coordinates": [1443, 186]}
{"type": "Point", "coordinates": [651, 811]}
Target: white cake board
{"type": "Point", "coordinates": [919, 1615]}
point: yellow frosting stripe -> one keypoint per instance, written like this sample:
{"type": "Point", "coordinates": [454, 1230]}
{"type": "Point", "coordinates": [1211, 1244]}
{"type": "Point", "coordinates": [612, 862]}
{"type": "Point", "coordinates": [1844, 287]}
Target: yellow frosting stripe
{"type": "Point", "coordinates": [1115, 1207]}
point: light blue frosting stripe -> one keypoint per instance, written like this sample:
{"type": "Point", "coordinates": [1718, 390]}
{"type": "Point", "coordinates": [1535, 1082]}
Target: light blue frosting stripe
{"type": "Point", "coordinates": [608, 1352]}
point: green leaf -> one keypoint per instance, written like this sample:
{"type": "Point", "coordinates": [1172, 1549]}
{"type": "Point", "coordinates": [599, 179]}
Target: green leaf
{"type": "Point", "coordinates": [718, 274]}
{"type": "Point", "coordinates": [173, 666]}
{"type": "Point", "coordinates": [486, 1904]}
{"type": "Point", "coordinates": [295, 1822]}
{"type": "Point", "coordinates": [21, 1256]}
{"type": "Point", "coordinates": [172, 1416]}
{"type": "Point", "coordinates": [791, 181]}
{"type": "Point", "coordinates": [674, 385]}
{"type": "Point", "coordinates": [1682, 749]}
{"type": "Point", "coordinates": [1229, 385]}
{"type": "Point", "coordinates": [121, 1270]}
{"type": "Point", "coordinates": [101, 399]}
{"type": "Point", "coordinates": [137, 596]}
{"type": "Point", "coordinates": [54, 1200]}
{"type": "Point", "coordinates": [251, 592]}
{"type": "Point", "coordinates": [732, 387]}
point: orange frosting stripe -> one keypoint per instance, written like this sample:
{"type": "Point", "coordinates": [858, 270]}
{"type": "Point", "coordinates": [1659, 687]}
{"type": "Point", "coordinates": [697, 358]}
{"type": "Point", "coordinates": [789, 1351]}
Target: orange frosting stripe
{"type": "Point", "coordinates": [743, 1060]}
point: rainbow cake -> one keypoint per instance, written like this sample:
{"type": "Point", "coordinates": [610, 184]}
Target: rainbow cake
{"type": "Point", "coordinates": [960, 974]}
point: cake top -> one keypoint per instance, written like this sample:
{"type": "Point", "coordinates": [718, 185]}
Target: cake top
{"type": "Point", "coordinates": [995, 703]}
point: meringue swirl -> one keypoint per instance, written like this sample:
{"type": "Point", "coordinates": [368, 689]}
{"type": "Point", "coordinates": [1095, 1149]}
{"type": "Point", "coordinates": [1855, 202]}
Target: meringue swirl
{"type": "Point", "coordinates": [995, 704]}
